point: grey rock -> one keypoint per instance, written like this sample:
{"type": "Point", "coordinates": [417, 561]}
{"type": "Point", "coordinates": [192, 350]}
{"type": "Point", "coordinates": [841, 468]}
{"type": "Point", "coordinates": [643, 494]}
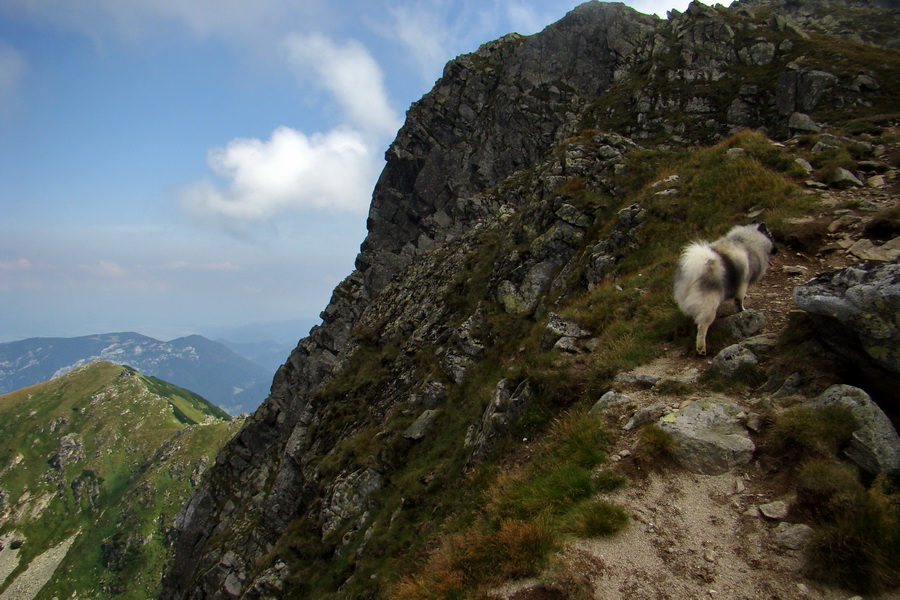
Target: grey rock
{"type": "Point", "coordinates": [865, 249]}
{"type": "Point", "coordinates": [608, 399]}
{"type": "Point", "coordinates": [841, 178]}
{"type": "Point", "coordinates": [644, 416]}
{"type": "Point", "coordinates": [790, 386]}
{"type": "Point", "coordinates": [803, 122]}
{"type": "Point", "coordinates": [70, 450]}
{"type": "Point", "coordinates": [708, 437]}
{"type": "Point", "coordinates": [349, 498]}
{"type": "Point", "coordinates": [855, 310]}
{"type": "Point", "coordinates": [607, 253]}
{"type": "Point", "coordinates": [433, 393]}
{"type": "Point", "coordinates": [864, 83]}
{"type": "Point", "coordinates": [733, 359]}
{"type": "Point", "coordinates": [741, 324]}
{"type": "Point", "coordinates": [804, 164]}
{"type": "Point", "coordinates": [645, 380]}
{"type": "Point", "coordinates": [793, 535]}
{"type": "Point", "coordinates": [761, 53]}
{"type": "Point", "coordinates": [567, 344]}
{"type": "Point", "coordinates": [419, 428]}
{"type": "Point", "coordinates": [507, 405]}
{"type": "Point", "coordinates": [558, 328]}
{"type": "Point", "coordinates": [776, 511]}
{"type": "Point", "coordinates": [875, 445]}
{"type": "Point", "coordinates": [802, 91]}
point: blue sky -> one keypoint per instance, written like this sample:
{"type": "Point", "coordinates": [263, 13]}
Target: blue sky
{"type": "Point", "coordinates": [171, 167]}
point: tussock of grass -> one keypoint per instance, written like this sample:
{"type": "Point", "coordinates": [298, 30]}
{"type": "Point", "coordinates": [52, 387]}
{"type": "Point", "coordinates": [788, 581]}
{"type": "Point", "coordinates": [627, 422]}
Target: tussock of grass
{"type": "Point", "coordinates": [827, 488]}
{"type": "Point", "coordinates": [596, 519]}
{"type": "Point", "coordinates": [809, 430]}
{"type": "Point", "coordinates": [609, 481]}
{"type": "Point", "coordinates": [857, 540]}
{"type": "Point", "coordinates": [655, 445]}
{"type": "Point", "coordinates": [860, 549]}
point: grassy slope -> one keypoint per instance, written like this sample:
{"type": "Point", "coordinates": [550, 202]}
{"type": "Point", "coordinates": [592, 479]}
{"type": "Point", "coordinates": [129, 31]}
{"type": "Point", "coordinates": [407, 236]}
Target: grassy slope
{"type": "Point", "coordinates": [125, 423]}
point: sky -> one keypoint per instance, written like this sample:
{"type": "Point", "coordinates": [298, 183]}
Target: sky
{"type": "Point", "coordinates": [172, 167]}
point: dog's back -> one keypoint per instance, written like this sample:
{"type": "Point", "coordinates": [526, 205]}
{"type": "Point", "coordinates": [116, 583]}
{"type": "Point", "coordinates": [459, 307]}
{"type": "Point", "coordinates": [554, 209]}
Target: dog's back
{"type": "Point", "coordinates": [698, 280]}
{"type": "Point", "coordinates": [707, 274]}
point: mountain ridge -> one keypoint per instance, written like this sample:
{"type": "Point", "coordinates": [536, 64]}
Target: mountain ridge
{"type": "Point", "coordinates": [513, 213]}
{"type": "Point", "coordinates": [194, 362]}
{"type": "Point", "coordinates": [92, 463]}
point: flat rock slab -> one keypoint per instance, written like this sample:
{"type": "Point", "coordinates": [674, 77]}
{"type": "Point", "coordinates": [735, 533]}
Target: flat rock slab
{"type": "Point", "coordinates": [708, 437]}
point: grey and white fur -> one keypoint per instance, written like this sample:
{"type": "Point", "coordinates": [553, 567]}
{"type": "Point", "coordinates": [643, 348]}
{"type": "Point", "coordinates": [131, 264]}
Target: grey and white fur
{"type": "Point", "coordinates": [710, 273]}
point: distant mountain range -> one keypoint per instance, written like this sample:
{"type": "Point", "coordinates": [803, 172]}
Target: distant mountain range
{"type": "Point", "coordinates": [203, 366]}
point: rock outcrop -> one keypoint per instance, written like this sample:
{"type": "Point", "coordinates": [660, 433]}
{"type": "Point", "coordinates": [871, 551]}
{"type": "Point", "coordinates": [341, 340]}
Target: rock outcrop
{"type": "Point", "coordinates": [856, 310]}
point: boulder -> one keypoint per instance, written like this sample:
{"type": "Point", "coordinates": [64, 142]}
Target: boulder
{"type": "Point", "coordinates": [733, 359]}
{"type": "Point", "coordinates": [842, 179]}
{"type": "Point", "coordinates": [802, 122]}
{"type": "Point", "coordinates": [645, 415]}
{"type": "Point", "coordinates": [610, 398]}
{"type": "Point", "coordinates": [420, 426]}
{"type": "Point", "coordinates": [856, 311]}
{"type": "Point", "coordinates": [742, 324]}
{"type": "Point", "coordinates": [776, 510]}
{"type": "Point", "coordinates": [792, 535]}
{"type": "Point", "coordinates": [875, 445]}
{"type": "Point", "coordinates": [708, 437]}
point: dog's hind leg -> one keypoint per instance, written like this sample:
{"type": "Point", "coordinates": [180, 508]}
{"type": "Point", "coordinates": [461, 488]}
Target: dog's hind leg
{"type": "Point", "coordinates": [739, 296]}
{"type": "Point", "coordinates": [704, 320]}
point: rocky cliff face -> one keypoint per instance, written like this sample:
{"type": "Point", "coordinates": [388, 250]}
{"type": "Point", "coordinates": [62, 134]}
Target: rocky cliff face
{"type": "Point", "coordinates": [484, 219]}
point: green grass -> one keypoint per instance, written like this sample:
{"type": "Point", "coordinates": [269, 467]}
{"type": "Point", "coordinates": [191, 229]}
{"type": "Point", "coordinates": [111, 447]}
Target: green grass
{"type": "Point", "coordinates": [811, 431]}
{"type": "Point", "coordinates": [860, 547]}
{"type": "Point", "coordinates": [122, 420]}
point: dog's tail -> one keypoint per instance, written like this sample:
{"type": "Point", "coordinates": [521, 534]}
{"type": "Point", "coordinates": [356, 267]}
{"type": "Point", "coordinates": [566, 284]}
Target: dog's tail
{"type": "Point", "coordinates": [699, 280]}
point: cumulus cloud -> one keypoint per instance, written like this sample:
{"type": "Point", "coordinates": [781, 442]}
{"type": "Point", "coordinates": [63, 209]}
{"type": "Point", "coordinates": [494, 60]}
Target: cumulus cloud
{"type": "Point", "coordinates": [289, 171]}
{"type": "Point", "coordinates": [349, 72]}
{"type": "Point", "coordinates": [258, 180]}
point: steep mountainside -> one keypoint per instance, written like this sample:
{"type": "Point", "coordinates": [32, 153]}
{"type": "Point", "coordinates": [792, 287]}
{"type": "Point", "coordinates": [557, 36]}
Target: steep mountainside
{"type": "Point", "coordinates": [194, 362]}
{"type": "Point", "coordinates": [522, 241]}
{"type": "Point", "coordinates": [94, 466]}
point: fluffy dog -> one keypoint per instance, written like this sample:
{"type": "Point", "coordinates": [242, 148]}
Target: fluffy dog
{"type": "Point", "coordinates": [708, 274]}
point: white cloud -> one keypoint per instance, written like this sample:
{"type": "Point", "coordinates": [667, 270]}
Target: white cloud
{"type": "Point", "coordinates": [289, 171]}
{"type": "Point", "coordinates": [12, 69]}
{"type": "Point", "coordinates": [259, 180]}
{"type": "Point", "coordinates": [350, 74]}
{"type": "Point", "coordinates": [421, 30]}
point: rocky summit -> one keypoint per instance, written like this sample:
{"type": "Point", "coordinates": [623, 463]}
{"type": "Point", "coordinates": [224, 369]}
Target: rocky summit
{"type": "Point", "coordinates": [517, 268]}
